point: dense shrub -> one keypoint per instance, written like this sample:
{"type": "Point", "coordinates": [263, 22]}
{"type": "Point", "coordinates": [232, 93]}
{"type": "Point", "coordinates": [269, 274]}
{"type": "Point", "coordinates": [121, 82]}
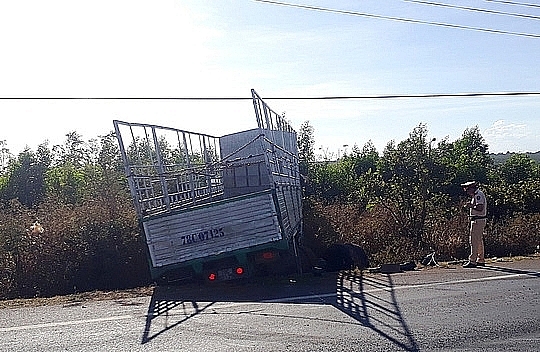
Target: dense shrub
{"type": "Point", "coordinates": [448, 237]}
{"type": "Point", "coordinates": [518, 235]}
{"type": "Point", "coordinates": [95, 245]}
{"type": "Point", "coordinates": [90, 237]}
{"type": "Point", "coordinates": [13, 241]}
{"type": "Point", "coordinates": [407, 202]}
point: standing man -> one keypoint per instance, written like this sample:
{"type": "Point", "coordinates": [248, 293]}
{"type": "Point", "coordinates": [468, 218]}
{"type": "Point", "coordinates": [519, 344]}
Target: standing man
{"type": "Point", "coordinates": [477, 214]}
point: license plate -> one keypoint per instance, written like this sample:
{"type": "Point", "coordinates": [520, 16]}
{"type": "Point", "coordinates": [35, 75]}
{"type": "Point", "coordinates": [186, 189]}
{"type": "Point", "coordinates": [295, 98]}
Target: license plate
{"type": "Point", "coordinates": [226, 274]}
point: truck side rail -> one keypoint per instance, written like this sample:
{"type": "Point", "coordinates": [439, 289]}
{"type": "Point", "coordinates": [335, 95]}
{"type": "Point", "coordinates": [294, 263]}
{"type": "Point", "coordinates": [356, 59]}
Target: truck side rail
{"type": "Point", "coordinates": [280, 144]}
{"type": "Point", "coordinates": [168, 168]}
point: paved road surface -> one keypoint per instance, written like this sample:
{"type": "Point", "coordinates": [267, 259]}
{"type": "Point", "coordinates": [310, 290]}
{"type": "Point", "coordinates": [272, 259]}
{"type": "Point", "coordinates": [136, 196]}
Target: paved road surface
{"type": "Point", "coordinates": [496, 308]}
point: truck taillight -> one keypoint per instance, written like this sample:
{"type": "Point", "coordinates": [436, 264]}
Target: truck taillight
{"type": "Point", "coordinates": [268, 255]}
{"type": "Point", "coordinates": [239, 270]}
{"type": "Point", "coordinates": [212, 276]}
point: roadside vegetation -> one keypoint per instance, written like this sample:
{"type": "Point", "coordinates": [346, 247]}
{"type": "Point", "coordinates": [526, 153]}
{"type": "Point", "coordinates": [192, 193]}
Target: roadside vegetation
{"type": "Point", "coordinates": [406, 202]}
{"type": "Point", "coordinates": [67, 222]}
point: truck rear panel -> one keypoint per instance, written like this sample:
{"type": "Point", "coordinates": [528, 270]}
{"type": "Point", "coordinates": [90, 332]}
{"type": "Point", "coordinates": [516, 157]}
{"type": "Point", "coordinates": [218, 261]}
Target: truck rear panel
{"type": "Point", "coordinates": [212, 229]}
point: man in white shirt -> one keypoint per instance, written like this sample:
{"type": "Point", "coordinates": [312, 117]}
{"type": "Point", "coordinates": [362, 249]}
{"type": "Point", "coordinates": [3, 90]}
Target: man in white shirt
{"type": "Point", "coordinates": [478, 217]}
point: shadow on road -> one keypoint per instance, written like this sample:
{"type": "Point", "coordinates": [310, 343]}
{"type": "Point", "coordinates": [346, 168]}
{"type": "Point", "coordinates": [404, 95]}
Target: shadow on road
{"type": "Point", "coordinates": [164, 305]}
{"type": "Point", "coordinates": [370, 301]}
{"type": "Point", "coordinates": [171, 306]}
{"type": "Point", "coordinates": [509, 270]}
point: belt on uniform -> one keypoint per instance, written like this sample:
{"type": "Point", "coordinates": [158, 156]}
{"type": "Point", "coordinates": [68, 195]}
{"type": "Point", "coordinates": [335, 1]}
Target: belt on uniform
{"type": "Point", "coordinates": [473, 218]}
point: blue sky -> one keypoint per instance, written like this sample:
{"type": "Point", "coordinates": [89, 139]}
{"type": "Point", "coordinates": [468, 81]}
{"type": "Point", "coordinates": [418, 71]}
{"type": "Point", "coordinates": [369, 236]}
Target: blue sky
{"type": "Point", "coordinates": [223, 48]}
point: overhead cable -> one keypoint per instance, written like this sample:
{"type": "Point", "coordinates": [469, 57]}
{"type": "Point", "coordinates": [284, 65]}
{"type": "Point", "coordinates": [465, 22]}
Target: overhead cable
{"type": "Point", "coordinates": [336, 97]}
{"type": "Point", "coordinates": [514, 3]}
{"type": "Point", "coordinates": [398, 19]}
{"type": "Point", "coordinates": [474, 9]}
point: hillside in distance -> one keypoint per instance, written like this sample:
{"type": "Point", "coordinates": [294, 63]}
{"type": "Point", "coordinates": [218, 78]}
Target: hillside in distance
{"type": "Point", "coordinates": [500, 158]}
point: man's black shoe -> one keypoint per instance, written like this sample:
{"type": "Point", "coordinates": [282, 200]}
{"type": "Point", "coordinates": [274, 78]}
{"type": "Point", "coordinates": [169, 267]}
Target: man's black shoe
{"type": "Point", "coordinates": [470, 265]}
{"type": "Point", "coordinates": [480, 264]}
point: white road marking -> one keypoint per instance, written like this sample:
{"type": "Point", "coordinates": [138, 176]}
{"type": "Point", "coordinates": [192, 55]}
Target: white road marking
{"type": "Point", "coordinates": [65, 323]}
{"type": "Point", "coordinates": [388, 289]}
{"type": "Point", "coordinates": [278, 300]}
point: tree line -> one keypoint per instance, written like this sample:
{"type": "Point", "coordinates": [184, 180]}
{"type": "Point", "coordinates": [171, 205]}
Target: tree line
{"type": "Point", "coordinates": [67, 221]}
{"type": "Point", "coordinates": [407, 200]}
{"type": "Point", "coordinates": [88, 236]}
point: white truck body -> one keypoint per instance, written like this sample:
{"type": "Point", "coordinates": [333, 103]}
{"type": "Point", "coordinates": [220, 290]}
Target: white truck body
{"type": "Point", "coordinates": [208, 204]}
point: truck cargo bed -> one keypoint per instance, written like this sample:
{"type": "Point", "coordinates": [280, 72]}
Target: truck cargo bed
{"type": "Point", "coordinates": [208, 202]}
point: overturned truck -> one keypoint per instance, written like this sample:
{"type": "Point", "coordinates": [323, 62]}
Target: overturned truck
{"type": "Point", "coordinates": [216, 208]}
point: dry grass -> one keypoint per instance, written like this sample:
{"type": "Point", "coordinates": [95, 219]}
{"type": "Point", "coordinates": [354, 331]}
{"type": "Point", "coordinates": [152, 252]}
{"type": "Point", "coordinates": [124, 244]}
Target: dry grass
{"type": "Point", "coordinates": [78, 298]}
{"type": "Point", "coordinates": [447, 237]}
{"type": "Point", "coordinates": [146, 291]}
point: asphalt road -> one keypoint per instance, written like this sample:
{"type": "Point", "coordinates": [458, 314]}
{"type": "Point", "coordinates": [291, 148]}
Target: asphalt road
{"type": "Point", "coordinates": [496, 308]}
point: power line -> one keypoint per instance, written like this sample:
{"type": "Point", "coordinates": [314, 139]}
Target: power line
{"type": "Point", "coordinates": [336, 97]}
{"type": "Point", "coordinates": [125, 98]}
{"type": "Point", "coordinates": [514, 3]}
{"type": "Point", "coordinates": [474, 9]}
{"type": "Point", "coordinates": [398, 19]}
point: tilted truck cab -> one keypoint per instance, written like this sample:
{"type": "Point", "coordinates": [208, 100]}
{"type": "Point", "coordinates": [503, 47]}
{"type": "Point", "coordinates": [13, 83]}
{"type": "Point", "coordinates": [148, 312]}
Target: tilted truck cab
{"type": "Point", "coordinates": [217, 208]}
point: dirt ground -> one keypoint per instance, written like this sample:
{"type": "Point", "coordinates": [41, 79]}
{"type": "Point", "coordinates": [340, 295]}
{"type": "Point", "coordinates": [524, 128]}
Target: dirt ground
{"type": "Point", "coordinates": [149, 290]}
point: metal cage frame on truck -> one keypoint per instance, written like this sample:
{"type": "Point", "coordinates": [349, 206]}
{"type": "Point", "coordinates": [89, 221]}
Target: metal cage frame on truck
{"type": "Point", "coordinates": [203, 200]}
